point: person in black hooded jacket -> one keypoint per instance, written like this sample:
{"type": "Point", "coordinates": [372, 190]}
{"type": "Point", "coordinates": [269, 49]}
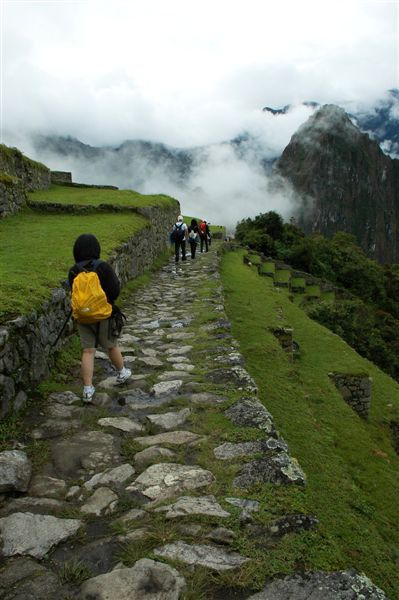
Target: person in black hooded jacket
{"type": "Point", "coordinates": [86, 250]}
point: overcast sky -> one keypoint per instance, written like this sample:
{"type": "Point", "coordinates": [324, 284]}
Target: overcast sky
{"type": "Point", "coordinates": [184, 72]}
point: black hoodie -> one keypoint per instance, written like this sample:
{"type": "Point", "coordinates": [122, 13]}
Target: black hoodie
{"type": "Point", "coordinates": [87, 249]}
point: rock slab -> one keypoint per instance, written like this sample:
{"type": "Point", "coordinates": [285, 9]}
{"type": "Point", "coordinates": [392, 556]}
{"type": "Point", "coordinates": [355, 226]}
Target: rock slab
{"type": "Point", "coordinates": [147, 580]}
{"type": "Point", "coordinates": [26, 533]}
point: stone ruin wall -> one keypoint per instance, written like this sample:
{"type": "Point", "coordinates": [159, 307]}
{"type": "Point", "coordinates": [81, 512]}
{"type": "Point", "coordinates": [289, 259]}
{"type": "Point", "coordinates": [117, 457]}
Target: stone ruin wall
{"type": "Point", "coordinates": [19, 175]}
{"type": "Point", "coordinates": [26, 351]}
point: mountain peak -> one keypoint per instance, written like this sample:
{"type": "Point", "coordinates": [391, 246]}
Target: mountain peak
{"type": "Point", "coordinates": [328, 119]}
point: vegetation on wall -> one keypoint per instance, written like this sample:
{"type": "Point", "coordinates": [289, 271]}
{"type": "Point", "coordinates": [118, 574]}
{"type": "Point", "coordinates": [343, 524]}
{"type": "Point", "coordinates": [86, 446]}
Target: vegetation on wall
{"type": "Point", "coordinates": [369, 319]}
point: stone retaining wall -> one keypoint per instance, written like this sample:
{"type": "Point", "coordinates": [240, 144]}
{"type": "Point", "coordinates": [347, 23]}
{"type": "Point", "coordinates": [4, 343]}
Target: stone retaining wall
{"type": "Point", "coordinates": [12, 195]}
{"type": "Point", "coordinates": [33, 175]}
{"type": "Point", "coordinates": [355, 390]}
{"type": "Point", "coordinates": [26, 343]}
{"type": "Point", "coordinates": [60, 177]}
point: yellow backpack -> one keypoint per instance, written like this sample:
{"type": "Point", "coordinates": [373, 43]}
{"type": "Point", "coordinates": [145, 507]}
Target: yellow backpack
{"type": "Point", "coordinates": [89, 301]}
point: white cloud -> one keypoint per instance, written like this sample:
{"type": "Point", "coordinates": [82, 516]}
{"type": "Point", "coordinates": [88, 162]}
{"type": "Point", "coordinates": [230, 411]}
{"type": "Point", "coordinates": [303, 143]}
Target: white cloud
{"type": "Point", "coordinates": [185, 73]}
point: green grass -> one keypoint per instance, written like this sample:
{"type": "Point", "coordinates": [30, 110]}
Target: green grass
{"type": "Point", "coordinates": [350, 463]}
{"type": "Point", "coordinates": [282, 276]}
{"type": "Point", "coordinates": [298, 282]}
{"type": "Point", "coordinates": [328, 297]}
{"type": "Point", "coordinates": [313, 291]}
{"type": "Point", "coordinates": [267, 267]}
{"type": "Point", "coordinates": [36, 252]}
{"type": "Point", "coordinates": [63, 194]}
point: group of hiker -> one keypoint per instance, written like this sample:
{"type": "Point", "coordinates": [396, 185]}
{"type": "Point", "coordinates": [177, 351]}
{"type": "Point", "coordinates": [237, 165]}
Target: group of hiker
{"type": "Point", "coordinates": [194, 234]}
{"type": "Point", "coordinates": [94, 289]}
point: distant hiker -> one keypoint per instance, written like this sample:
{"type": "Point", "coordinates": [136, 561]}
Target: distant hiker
{"type": "Point", "coordinates": [193, 236]}
{"type": "Point", "coordinates": [178, 236]}
{"type": "Point", "coordinates": [209, 233]}
{"type": "Point", "coordinates": [203, 231]}
{"type": "Point", "coordinates": [95, 287]}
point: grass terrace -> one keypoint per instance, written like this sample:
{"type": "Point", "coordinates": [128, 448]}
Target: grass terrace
{"type": "Point", "coordinates": [350, 463]}
{"type": "Point", "coordinates": [36, 246]}
{"type": "Point", "coordinates": [88, 196]}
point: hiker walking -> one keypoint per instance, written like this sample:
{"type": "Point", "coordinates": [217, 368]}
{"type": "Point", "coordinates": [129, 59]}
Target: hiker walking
{"type": "Point", "coordinates": [203, 231]}
{"type": "Point", "coordinates": [193, 236]}
{"type": "Point", "coordinates": [95, 287]}
{"type": "Point", "coordinates": [178, 236]}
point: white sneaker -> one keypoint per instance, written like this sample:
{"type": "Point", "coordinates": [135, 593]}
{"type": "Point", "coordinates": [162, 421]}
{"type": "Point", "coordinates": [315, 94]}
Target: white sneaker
{"type": "Point", "coordinates": [88, 393]}
{"type": "Point", "coordinates": [123, 375]}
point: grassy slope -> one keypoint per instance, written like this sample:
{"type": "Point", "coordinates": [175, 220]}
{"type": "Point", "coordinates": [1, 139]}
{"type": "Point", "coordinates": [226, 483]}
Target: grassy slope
{"type": "Point", "coordinates": [36, 248]}
{"type": "Point", "coordinates": [352, 469]}
{"type": "Point", "coordinates": [95, 196]}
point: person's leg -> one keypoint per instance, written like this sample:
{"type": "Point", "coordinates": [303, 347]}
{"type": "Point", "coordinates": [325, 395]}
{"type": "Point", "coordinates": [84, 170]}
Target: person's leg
{"type": "Point", "coordinates": [206, 244]}
{"type": "Point", "coordinates": [87, 365]}
{"type": "Point", "coordinates": [177, 251]}
{"type": "Point", "coordinates": [202, 243]}
{"type": "Point", "coordinates": [183, 249]}
{"type": "Point", "coordinates": [115, 356]}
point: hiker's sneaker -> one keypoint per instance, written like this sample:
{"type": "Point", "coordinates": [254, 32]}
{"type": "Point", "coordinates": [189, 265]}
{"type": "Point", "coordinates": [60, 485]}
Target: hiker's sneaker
{"type": "Point", "coordinates": [88, 393]}
{"type": "Point", "coordinates": [123, 375]}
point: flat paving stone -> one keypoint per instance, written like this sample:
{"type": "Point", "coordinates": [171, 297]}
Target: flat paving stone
{"type": "Point", "coordinates": [122, 424]}
{"type": "Point", "coordinates": [165, 480]}
{"type": "Point", "coordinates": [319, 585]}
{"type": "Point", "coordinates": [175, 438]}
{"type": "Point", "coordinates": [212, 557]}
{"type": "Point", "coordinates": [114, 476]}
{"type": "Point", "coordinates": [167, 387]}
{"type": "Point", "coordinates": [146, 580]}
{"type": "Point", "coordinates": [194, 505]}
{"type": "Point", "coordinates": [170, 420]}
{"type": "Point", "coordinates": [34, 535]}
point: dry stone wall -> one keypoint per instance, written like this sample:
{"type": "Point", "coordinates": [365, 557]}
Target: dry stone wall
{"type": "Point", "coordinates": [32, 174]}
{"type": "Point", "coordinates": [12, 196]}
{"type": "Point", "coordinates": [18, 175]}
{"type": "Point", "coordinates": [26, 343]}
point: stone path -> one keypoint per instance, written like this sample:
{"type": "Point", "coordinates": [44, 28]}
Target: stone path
{"type": "Point", "coordinates": [136, 490]}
